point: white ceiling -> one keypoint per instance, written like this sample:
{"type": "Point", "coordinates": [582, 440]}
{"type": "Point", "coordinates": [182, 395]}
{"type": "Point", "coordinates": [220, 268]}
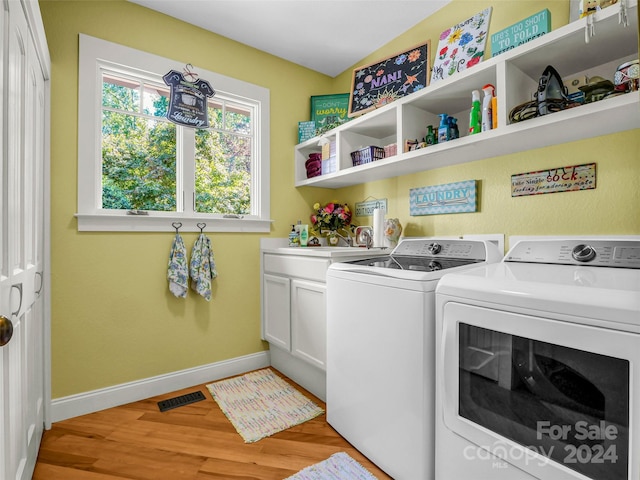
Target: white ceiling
{"type": "Point", "coordinates": [328, 36]}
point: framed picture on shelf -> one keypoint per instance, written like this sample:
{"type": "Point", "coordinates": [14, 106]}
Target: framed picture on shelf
{"type": "Point", "coordinates": [461, 46]}
{"type": "Point", "coordinates": [329, 111]}
{"type": "Point", "coordinates": [377, 84]}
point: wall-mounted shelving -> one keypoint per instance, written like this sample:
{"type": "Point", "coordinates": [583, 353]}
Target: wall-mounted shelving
{"type": "Point", "coordinates": [515, 75]}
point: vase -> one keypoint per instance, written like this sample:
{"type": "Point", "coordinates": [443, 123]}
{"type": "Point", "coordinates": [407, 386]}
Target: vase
{"type": "Point", "coordinates": [332, 238]}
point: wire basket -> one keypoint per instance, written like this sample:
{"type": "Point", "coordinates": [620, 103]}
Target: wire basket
{"type": "Point", "coordinates": [367, 155]}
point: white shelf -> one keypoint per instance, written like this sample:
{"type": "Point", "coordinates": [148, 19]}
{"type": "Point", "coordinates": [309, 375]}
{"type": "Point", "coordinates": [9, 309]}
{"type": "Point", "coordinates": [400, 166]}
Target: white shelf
{"type": "Point", "coordinates": [515, 74]}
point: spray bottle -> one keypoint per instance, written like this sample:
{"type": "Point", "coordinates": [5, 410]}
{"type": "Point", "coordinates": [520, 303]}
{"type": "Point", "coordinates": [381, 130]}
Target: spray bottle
{"type": "Point", "coordinates": [475, 114]}
{"type": "Point", "coordinates": [487, 107]}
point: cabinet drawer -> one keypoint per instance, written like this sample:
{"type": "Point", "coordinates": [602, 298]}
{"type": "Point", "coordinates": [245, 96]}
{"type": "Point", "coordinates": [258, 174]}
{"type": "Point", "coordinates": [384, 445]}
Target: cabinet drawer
{"type": "Point", "coordinates": [295, 266]}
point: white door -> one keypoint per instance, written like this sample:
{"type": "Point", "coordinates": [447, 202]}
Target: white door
{"type": "Point", "coordinates": [22, 107]}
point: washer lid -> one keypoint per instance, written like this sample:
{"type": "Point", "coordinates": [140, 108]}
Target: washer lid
{"type": "Point", "coordinates": [611, 294]}
{"type": "Point", "coordinates": [425, 259]}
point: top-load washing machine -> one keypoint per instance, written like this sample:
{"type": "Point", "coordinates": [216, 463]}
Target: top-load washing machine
{"type": "Point", "coordinates": [381, 348]}
{"type": "Point", "coordinates": [538, 364]}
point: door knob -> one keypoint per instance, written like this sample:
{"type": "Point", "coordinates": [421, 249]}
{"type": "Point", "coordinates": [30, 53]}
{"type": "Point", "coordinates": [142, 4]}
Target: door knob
{"type": "Point", "coordinates": [6, 330]}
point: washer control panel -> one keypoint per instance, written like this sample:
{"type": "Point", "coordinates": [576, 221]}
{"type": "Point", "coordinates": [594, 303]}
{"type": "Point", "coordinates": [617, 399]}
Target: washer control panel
{"type": "Point", "coordinates": [599, 253]}
{"type": "Point", "coordinates": [462, 249]}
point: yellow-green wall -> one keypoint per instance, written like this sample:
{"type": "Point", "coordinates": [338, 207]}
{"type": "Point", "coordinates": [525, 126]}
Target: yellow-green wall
{"type": "Point", "coordinates": [113, 318]}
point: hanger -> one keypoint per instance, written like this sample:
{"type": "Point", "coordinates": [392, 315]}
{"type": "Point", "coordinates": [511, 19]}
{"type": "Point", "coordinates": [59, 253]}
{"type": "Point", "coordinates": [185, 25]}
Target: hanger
{"type": "Point", "coordinates": [201, 226]}
{"type": "Point", "coordinates": [189, 74]}
{"type": "Point", "coordinates": [176, 225]}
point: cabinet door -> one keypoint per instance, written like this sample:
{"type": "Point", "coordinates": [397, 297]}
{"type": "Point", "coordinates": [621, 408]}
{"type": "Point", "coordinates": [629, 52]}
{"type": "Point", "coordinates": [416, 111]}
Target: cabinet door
{"type": "Point", "coordinates": [277, 310]}
{"type": "Point", "coordinates": [309, 322]}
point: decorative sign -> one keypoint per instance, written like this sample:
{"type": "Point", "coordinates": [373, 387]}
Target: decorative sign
{"type": "Point", "coordinates": [459, 197]}
{"type": "Point", "coordinates": [380, 83]}
{"type": "Point", "coordinates": [188, 99]}
{"type": "Point", "coordinates": [365, 209]}
{"type": "Point", "coordinates": [461, 46]}
{"type": "Point", "coordinates": [520, 33]}
{"type": "Point", "coordinates": [329, 111]}
{"type": "Point", "coordinates": [306, 130]}
{"type": "Point", "coordinates": [561, 179]}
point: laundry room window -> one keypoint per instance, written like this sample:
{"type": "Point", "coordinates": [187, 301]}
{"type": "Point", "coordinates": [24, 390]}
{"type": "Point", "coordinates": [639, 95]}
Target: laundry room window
{"type": "Point", "coordinates": [140, 171]}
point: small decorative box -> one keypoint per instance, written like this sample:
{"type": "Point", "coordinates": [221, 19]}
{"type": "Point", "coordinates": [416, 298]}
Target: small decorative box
{"type": "Point", "coordinates": [390, 150]}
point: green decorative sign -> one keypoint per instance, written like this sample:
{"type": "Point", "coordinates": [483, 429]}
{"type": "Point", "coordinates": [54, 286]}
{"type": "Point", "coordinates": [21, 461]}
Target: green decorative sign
{"type": "Point", "coordinates": [329, 111]}
{"type": "Point", "coordinates": [520, 33]}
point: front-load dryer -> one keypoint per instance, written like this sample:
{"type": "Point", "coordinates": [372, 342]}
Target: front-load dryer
{"type": "Point", "coordinates": [538, 364]}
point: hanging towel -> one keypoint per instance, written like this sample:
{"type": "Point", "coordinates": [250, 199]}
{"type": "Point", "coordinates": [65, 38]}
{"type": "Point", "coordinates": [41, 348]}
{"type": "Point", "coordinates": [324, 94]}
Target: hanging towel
{"type": "Point", "coordinates": [178, 271]}
{"type": "Point", "coordinates": [203, 268]}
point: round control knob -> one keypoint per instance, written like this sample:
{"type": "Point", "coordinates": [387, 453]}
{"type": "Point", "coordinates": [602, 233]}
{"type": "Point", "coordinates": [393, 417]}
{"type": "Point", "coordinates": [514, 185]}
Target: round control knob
{"type": "Point", "coordinates": [434, 248]}
{"type": "Point", "coordinates": [583, 253]}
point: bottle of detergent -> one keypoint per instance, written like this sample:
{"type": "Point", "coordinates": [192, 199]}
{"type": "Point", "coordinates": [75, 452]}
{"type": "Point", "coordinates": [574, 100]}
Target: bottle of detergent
{"type": "Point", "coordinates": [443, 128]}
{"type": "Point", "coordinates": [487, 107]}
{"type": "Point", "coordinates": [474, 115]}
{"type": "Point", "coordinates": [293, 237]}
{"type": "Point", "coordinates": [454, 131]}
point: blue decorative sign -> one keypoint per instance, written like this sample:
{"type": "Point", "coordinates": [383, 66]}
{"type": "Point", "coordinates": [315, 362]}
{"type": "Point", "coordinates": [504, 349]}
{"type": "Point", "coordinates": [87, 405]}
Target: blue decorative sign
{"type": "Point", "coordinates": [520, 33]}
{"type": "Point", "coordinates": [459, 197]}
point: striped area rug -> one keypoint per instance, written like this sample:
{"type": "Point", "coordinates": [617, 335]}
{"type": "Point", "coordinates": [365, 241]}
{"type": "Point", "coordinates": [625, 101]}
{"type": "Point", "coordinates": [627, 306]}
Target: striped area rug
{"type": "Point", "coordinates": [338, 466]}
{"type": "Point", "coordinates": [260, 403]}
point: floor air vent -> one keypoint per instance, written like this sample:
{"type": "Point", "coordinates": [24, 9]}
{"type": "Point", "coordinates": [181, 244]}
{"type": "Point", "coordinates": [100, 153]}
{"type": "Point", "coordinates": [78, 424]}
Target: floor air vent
{"type": "Point", "coordinates": [180, 401]}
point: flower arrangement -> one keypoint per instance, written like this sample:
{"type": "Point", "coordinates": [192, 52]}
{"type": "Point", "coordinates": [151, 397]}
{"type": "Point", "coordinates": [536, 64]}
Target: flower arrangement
{"type": "Point", "coordinates": [332, 216]}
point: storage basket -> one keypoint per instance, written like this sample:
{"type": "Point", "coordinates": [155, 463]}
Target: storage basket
{"type": "Point", "coordinates": [390, 150]}
{"type": "Point", "coordinates": [367, 155]}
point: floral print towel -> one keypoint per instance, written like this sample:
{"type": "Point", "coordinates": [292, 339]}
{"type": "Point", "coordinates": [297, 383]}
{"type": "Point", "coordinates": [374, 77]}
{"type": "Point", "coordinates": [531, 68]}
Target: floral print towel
{"type": "Point", "coordinates": [203, 267]}
{"type": "Point", "coordinates": [178, 272]}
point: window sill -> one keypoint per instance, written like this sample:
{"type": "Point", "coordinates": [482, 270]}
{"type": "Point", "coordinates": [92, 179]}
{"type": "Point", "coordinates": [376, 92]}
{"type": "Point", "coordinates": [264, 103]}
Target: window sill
{"type": "Point", "coordinates": [163, 223]}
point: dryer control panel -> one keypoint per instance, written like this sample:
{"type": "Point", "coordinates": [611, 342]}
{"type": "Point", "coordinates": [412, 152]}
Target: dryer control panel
{"type": "Point", "coordinates": [597, 253]}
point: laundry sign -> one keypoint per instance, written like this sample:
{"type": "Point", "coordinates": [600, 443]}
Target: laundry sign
{"type": "Point", "coordinates": [188, 100]}
{"type": "Point", "coordinates": [459, 197]}
{"type": "Point", "coordinates": [553, 180]}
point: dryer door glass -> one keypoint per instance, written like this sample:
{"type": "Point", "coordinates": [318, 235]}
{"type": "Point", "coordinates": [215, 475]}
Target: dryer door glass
{"type": "Point", "coordinates": [569, 405]}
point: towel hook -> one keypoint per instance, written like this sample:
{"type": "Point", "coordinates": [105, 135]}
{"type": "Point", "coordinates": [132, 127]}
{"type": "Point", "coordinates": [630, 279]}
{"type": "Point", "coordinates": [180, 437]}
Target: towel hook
{"type": "Point", "coordinates": [201, 226]}
{"type": "Point", "coordinates": [176, 225]}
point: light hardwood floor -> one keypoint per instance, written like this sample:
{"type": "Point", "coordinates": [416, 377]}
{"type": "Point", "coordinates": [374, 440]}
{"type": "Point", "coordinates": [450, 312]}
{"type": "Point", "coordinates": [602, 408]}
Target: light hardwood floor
{"type": "Point", "coordinates": [192, 442]}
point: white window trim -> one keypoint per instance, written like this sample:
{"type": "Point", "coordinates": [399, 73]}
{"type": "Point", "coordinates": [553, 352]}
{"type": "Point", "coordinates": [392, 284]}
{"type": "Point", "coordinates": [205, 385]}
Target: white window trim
{"type": "Point", "coordinates": [89, 146]}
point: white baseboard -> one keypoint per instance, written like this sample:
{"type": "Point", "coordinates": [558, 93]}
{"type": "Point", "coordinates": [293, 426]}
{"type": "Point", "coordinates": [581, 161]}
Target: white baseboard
{"type": "Point", "coordinates": [96, 400]}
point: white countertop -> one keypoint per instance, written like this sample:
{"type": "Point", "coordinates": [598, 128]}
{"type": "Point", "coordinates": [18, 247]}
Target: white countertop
{"type": "Point", "coordinates": [279, 246]}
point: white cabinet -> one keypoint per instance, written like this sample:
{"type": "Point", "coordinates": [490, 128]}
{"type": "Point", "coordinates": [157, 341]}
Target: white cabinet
{"type": "Point", "coordinates": [515, 75]}
{"type": "Point", "coordinates": [294, 319]}
{"type": "Point", "coordinates": [293, 306]}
